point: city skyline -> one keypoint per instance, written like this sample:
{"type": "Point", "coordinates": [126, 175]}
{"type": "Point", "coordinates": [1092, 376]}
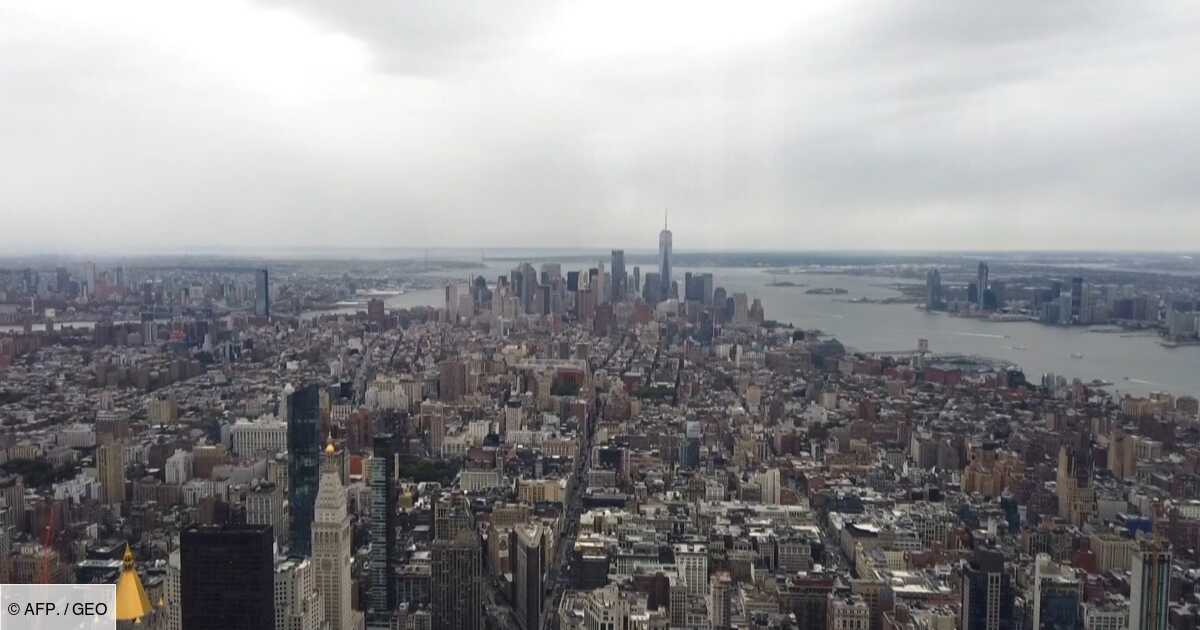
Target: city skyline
{"type": "Point", "coordinates": [917, 127]}
{"type": "Point", "coordinates": [371, 316]}
{"type": "Point", "coordinates": [497, 458]}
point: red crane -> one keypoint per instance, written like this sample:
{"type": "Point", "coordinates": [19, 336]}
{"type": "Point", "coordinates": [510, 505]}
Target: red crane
{"type": "Point", "coordinates": [45, 567]}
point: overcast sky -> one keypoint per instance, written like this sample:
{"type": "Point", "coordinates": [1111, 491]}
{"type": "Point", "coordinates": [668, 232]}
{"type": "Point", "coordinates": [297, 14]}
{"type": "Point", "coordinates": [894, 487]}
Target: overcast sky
{"type": "Point", "coordinates": [136, 126]}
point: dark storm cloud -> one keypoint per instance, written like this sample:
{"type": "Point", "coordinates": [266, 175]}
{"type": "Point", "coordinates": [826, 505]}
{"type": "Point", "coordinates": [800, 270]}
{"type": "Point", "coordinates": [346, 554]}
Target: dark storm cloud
{"type": "Point", "coordinates": [920, 125]}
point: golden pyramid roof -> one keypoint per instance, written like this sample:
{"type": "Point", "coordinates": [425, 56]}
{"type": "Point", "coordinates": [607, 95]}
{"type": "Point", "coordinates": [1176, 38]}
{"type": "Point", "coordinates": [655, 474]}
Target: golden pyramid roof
{"type": "Point", "coordinates": [132, 602]}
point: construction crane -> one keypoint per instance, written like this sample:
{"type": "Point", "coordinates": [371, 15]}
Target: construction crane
{"type": "Point", "coordinates": [45, 566]}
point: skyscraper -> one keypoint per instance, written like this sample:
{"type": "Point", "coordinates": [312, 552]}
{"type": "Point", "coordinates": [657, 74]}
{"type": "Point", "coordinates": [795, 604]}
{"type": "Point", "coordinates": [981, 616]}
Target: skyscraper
{"type": "Point", "coordinates": [266, 504]}
{"type": "Point", "coordinates": [304, 464]}
{"type": "Point", "coordinates": [110, 468]}
{"type": "Point", "coordinates": [89, 278]}
{"type": "Point", "coordinates": [174, 589]}
{"type": "Point", "coordinates": [933, 290]}
{"type": "Point", "coordinates": [331, 551]}
{"type": "Point", "coordinates": [149, 328]}
{"type": "Point", "coordinates": [981, 283]}
{"type": "Point", "coordinates": [741, 308]}
{"type": "Point", "coordinates": [227, 577]}
{"type": "Point", "coordinates": [1056, 595]}
{"type": "Point", "coordinates": [692, 561]}
{"type": "Point", "coordinates": [1076, 298]}
{"type": "Point", "coordinates": [705, 282]}
{"type": "Point", "coordinates": [528, 287]}
{"type": "Point", "coordinates": [600, 287]}
{"type": "Point", "coordinates": [689, 448]}
{"type": "Point", "coordinates": [1150, 586]}
{"type": "Point", "coordinates": [771, 487]}
{"type": "Point", "coordinates": [381, 589]}
{"type": "Point", "coordinates": [517, 280]}
{"type": "Point", "coordinates": [451, 301]}
{"type": "Point", "coordinates": [455, 585]}
{"type": "Point", "coordinates": [652, 289]}
{"type": "Point", "coordinates": [62, 279]}
{"type": "Point", "coordinates": [528, 572]}
{"type": "Point", "coordinates": [620, 281]}
{"type": "Point", "coordinates": [298, 605]}
{"type": "Point", "coordinates": [262, 294]}
{"type": "Point", "coordinates": [375, 311]}
{"type": "Point", "coordinates": [720, 596]}
{"type": "Point", "coordinates": [451, 515]}
{"type": "Point", "coordinates": [987, 593]}
{"type": "Point", "coordinates": [452, 380]}
{"type": "Point", "coordinates": [664, 261]}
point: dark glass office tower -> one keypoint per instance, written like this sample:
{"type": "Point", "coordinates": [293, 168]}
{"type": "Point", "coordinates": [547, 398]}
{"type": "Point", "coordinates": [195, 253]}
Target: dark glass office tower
{"type": "Point", "coordinates": [262, 294]}
{"type": "Point", "coordinates": [381, 589]}
{"type": "Point", "coordinates": [227, 577]}
{"type": "Point", "coordinates": [528, 575]}
{"type": "Point", "coordinates": [988, 595]}
{"type": "Point", "coordinates": [981, 284]}
{"type": "Point", "coordinates": [304, 464]}
{"type": "Point", "coordinates": [619, 277]}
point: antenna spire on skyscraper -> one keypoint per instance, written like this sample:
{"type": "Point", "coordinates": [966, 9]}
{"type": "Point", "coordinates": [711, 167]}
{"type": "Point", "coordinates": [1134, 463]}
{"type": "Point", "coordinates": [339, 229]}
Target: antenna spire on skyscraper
{"type": "Point", "coordinates": [664, 218]}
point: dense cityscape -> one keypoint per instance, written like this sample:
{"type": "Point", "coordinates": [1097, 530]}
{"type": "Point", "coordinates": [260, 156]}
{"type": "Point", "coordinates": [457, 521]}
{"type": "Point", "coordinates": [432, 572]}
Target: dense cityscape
{"type": "Point", "coordinates": [599, 315]}
{"type": "Point", "coordinates": [238, 446]}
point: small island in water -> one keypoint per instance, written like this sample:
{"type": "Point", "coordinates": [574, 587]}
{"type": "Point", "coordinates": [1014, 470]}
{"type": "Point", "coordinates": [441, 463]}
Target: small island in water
{"type": "Point", "coordinates": [827, 291]}
{"type": "Point", "coordinates": [786, 283]}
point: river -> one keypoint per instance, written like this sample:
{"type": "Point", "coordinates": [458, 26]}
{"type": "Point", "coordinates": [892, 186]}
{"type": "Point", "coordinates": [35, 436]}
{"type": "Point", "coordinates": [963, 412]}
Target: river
{"type": "Point", "coordinates": [1133, 363]}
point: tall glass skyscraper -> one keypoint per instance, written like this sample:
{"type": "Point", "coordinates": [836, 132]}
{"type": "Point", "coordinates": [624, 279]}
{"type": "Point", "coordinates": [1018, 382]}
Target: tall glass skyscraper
{"type": "Point", "coordinates": [262, 294]}
{"type": "Point", "coordinates": [933, 290]}
{"type": "Point", "coordinates": [304, 464]}
{"type": "Point", "coordinates": [381, 590]}
{"type": "Point", "coordinates": [529, 573]}
{"type": "Point", "coordinates": [664, 261]}
{"type": "Point", "coordinates": [981, 283]}
{"type": "Point", "coordinates": [620, 280]}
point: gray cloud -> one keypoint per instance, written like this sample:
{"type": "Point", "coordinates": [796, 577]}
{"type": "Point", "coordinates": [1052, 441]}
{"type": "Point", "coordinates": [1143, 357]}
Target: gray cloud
{"type": "Point", "coordinates": [911, 125]}
{"type": "Point", "coordinates": [428, 37]}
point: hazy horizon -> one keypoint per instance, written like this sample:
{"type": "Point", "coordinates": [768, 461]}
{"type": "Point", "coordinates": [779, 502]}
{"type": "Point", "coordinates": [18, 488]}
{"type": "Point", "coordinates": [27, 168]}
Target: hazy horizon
{"type": "Point", "coordinates": [467, 255]}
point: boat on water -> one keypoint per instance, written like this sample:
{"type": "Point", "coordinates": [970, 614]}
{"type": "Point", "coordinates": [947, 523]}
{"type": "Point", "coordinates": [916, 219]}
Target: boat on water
{"type": "Point", "coordinates": [1076, 355]}
{"type": "Point", "coordinates": [370, 293]}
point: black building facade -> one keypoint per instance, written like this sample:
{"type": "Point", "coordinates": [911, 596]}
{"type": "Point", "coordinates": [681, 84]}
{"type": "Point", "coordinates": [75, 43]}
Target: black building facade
{"type": "Point", "coordinates": [227, 577]}
{"type": "Point", "coordinates": [304, 464]}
